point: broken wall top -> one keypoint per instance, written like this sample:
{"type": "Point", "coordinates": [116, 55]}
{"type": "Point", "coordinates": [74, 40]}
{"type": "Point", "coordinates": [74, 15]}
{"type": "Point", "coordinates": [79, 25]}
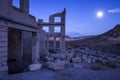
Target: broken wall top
{"type": "Point", "coordinates": [20, 15]}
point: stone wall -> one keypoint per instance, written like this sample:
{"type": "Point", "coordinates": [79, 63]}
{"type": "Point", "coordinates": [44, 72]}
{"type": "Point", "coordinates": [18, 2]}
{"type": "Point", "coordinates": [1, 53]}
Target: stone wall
{"type": "Point", "coordinates": [4, 7]}
{"type": "Point", "coordinates": [20, 15]}
{"type": "Point", "coordinates": [3, 49]}
{"type": "Point", "coordinates": [24, 26]}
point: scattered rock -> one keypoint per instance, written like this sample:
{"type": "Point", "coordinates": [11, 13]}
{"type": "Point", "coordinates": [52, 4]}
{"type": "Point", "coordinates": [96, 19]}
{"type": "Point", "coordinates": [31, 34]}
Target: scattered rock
{"type": "Point", "coordinates": [57, 65]}
{"type": "Point", "coordinates": [69, 56]}
{"type": "Point", "coordinates": [84, 58]}
{"type": "Point", "coordinates": [97, 65]}
{"type": "Point", "coordinates": [76, 59]}
{"type": "Point", "coordinates": [35, 66]}
{"type": "Point", "coordinates": [47, 58]}
{"type": "Point", "coordinates": [77, 66]}
{"type": "Point", "coordinates": [112, 64]}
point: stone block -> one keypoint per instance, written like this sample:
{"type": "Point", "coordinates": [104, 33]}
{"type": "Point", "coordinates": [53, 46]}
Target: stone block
{"type": "Point", "coordinates": [97, 66]}
{"type": "Point", "coordinates": [3, 55]}
{"type": "Point", "coordinates": [3, 34]}
{"type": "Point", "coordinates": [35, 66]}
{"type": "Point", "coordinates": [76, 60]}
{"type": "Point", "coordinates": [77, 66]}
{"type": "Point", "coordinates": [59, 56]}
{"type": "Point", "coordinates": [3, 68]}
{"type": "Point", "coordinates": [3, 60]}
{"type": "Point", "coordinates": [46, 58]}
{"type": "Point", "coordinates": [89, 61]}
{"type": "Point", "coordinates": [69, 56]}
{"type": "Point", "coordinates": [3, 49]}
{"type": "Point", "coordinates": [3, 64]}
{"type": "Point", "coordinates": [58, 65]}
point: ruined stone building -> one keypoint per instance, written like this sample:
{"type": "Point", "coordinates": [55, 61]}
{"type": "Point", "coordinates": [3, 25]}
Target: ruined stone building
{"type": "Point", "coordinates": [22, 39]}
{"type": "Point", "coordinates": [52, 25]}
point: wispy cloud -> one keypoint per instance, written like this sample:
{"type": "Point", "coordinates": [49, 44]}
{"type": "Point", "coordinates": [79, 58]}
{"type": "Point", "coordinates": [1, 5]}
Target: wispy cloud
{"type": "Point", "coordinates": [116, 10]}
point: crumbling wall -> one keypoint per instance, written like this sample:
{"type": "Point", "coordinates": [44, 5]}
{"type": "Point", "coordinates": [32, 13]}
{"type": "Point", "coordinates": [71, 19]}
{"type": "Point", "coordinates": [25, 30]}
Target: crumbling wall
{"type": "Point", "coordinates": [4, 7]}
{"type": "Point", "coordinates": [21, 14]}
{"type": "Point", "coordinates": [51, 36]}
{"type": "Point", "coordinates": [24, 26]}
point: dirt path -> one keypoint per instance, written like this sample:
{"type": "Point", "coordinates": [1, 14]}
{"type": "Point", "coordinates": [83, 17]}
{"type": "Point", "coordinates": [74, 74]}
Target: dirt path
{"type": "Point", "coordinates": [67, 74]}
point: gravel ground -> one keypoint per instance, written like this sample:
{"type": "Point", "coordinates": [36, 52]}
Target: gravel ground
{"type": "Point", "coordinates": [70, 73]}
{"type": "Point", "coordinates": [87, 74]}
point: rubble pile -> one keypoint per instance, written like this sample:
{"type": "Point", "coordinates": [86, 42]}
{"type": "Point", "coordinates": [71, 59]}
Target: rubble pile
{"type": "Point", "coordinates": [96, 59]}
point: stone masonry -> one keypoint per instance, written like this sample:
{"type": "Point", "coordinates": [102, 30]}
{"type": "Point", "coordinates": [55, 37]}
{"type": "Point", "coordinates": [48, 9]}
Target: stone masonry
{"type": "Point", "coordinates": [22, 38]}
{"type": "Point", "coordinates": [51, 32]}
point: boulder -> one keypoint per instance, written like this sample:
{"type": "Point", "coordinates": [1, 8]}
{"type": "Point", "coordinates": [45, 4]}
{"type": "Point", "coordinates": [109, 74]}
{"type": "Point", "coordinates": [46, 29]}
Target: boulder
{"type": "Point", "coordinates": [89, 61]}
{"type": "Point", "coordinates": [47, 58]}
{"type": "Point", "coordinates": [77, 66]}
{"type": "Point", "coordinates": [57, 65]}
{"type": "Point", "coordinates": [59, 56]}
{"type": "Point", "coordinates": [69, 56]}
{"type": "Point", "coordinates": [76, 59]}
{"type": "Point", "coordinates": [112, 64]}
{"type": "Point", "coordinates": [84, 58]}
{"type": "Point", "coordinates": [98, 65]}
{"type": "Point", "coordinates": [35, 66]}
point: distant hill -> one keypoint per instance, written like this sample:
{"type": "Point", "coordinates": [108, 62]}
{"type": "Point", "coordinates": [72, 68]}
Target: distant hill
{"type": "Point", "coordinates": [77, 38]}
{"type": "Point", "coordinates": [76, 34]}
{"type": "Point", "coordinates": [106, 42]}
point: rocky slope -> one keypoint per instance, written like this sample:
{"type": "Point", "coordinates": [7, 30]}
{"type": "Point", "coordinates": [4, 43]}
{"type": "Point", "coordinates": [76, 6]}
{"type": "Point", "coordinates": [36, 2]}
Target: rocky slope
{"type": "Point", "coordinates": [114, 33]}
{"type": "Point", "coordinates": [106, 42]}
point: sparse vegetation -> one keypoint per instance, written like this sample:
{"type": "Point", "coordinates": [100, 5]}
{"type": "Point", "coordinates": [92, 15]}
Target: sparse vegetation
{"type": "Point", "coordinates": [97, 66]}
{"type": "Point", "coordinates": [112, 64]}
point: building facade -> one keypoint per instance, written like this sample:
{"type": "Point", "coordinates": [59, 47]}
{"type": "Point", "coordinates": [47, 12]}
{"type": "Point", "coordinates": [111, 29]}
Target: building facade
{"type": "Point", "coordinates": [21, 36]}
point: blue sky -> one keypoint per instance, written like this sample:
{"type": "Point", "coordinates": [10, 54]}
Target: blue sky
{"type": "Point", "coordinates": [81, 14]}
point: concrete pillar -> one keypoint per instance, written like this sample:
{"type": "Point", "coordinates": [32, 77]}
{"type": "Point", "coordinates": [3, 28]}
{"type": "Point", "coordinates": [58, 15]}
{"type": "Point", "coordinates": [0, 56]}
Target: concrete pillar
{"type": "Point", "coordinates": [42, 43]}
{"type": "Point", "coordinates": [24, 5]}
{"type": "Point", "coordinates": [63, 42]}
{"type": "Point", "coordinates": [34, 46]}
{"type": "Point", "coordinates": [38, 38]}
{"type": "Point", "coordinates": [63, 19]}
{"type": "Point", "coordinates": [37, 57]}
{"type": "Point", "coordinates": [51, 27]}
{"type": "Point", "coordinates": [63, 37]}
{"type": "Point", "coordinates": [60, 43]}
{"type": "Point", "coordinates": [41, 35]}
{"type": "Point", "coordinates": [47, 42]}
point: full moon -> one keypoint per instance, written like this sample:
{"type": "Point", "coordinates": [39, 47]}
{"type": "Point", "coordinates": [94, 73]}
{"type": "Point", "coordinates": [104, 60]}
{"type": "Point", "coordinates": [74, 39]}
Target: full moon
{"type": "Point", "coordinates": [99, 14]}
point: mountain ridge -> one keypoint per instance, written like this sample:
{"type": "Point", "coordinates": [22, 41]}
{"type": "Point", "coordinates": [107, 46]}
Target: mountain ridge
{"type": "Point", "coordinates": [106, 42]}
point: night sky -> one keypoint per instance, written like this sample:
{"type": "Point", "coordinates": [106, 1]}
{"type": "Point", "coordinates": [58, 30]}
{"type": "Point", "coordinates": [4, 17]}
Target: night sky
{"type": "Point", "coordinates": [81, 14]}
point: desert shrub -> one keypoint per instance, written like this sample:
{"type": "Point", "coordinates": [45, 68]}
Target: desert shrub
{"type": "Point", "coordinates": [99, 61]}
{"type": "Point", "coordinates": [97, 66]}
{"type": "Point", "coordinates": [112, 64]}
